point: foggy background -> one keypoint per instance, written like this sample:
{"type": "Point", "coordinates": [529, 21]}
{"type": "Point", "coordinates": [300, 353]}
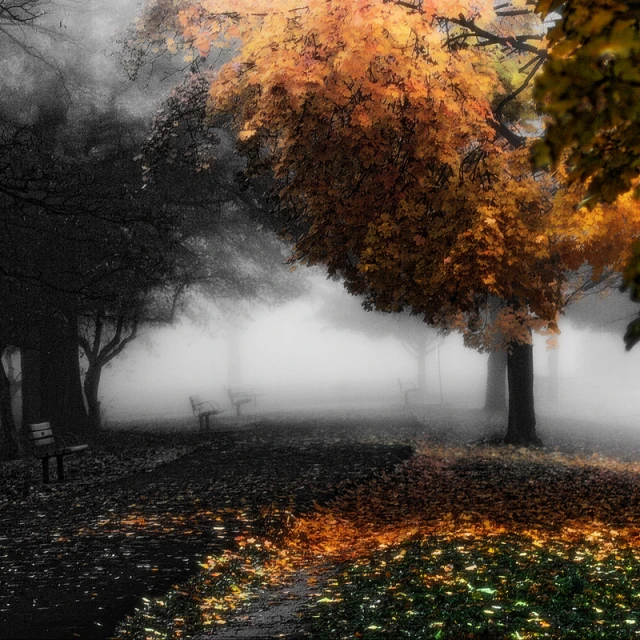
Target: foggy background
{"type": "Point", "coordinates": [291, 353]}
{"type": "Point", "coordinates": [298, 361]}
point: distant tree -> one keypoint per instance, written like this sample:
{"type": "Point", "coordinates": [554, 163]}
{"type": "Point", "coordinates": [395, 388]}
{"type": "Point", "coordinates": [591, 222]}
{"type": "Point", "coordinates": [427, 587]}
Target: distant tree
{"type": "Point", "coordinates": [418, 338]}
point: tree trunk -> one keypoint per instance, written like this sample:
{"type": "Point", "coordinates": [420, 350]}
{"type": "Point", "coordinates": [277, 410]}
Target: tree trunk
{"type": "Point", "coordinates": [522, 419]}
{"type": "Point", "coordinates": [91, 386]}
{"type": "Point", "coordinates": [62, 386]}
{"type": "Point", "coordinates": [15, 380]}
{"type": "Point", "coordinates": [554, 377]}
{"type": "Point", "coordinates": [31, 391]}
{"type": "Point", "coordinates": [52, 387]}
{"type": "Point", "coordinates": [11, 444]}
{"type": "Point", "coordinates": [496, 394]}
{"type": "Point", "coordinates": [421, 355]}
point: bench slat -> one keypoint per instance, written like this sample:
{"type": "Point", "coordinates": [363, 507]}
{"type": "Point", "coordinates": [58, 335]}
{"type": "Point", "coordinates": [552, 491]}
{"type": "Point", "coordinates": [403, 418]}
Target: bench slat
{"type": "Point", "coordinates": [75, 449]}
{"type": "Point", "coordinates": [44, 448]}
{"type": "Point", "coordinates": [41, 434]}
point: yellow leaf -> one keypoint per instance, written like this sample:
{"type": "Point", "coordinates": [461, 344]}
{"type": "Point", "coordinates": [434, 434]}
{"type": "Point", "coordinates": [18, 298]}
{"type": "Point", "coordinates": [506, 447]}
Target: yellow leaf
{"type": "Point", "coordinates": [246, 134]}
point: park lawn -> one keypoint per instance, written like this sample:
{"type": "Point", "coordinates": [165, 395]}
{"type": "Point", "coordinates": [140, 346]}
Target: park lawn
{"type": "Point", "coordinates": [457, 542]}
{"type": "Point", "coordinates": [474, 585]}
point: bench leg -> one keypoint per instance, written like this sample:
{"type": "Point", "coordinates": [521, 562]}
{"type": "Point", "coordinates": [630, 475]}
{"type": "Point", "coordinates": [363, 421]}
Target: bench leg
{"type": "Point", "coordinates": [60, 461]}
{"type": "Point", "coordinates": [45, 470]}
{"type": "Point", "coordinates": [238, 409]}
{"type": "Point", "coordinates": [206, 422]}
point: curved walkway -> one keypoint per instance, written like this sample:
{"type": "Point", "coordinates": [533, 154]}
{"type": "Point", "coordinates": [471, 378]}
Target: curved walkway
{"type": "Point", "coordinates": [75, 565]}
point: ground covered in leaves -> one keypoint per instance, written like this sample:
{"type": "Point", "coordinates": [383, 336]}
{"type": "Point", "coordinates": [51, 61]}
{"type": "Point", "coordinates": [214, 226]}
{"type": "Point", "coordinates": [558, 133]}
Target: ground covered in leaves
{"type": "Point", "coordinates": [459, 541]}
{"type": "Point", "coordinates": [360, 524]}
{"type": "Point", "coordinates": [144, 508]}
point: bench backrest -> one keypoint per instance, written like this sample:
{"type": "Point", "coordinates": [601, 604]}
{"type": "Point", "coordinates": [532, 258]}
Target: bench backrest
{"type": "Point", "coordinates": [195, 403]}
{"type": "Point", "coordinates": [41, 434]}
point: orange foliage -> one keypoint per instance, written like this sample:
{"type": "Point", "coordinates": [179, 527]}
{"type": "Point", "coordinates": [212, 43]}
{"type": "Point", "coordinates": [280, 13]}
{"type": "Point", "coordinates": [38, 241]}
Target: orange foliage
{"type": "Point", "coordinates": [380, 137]}
{"type": "Point", "coordinates": [479, 493]}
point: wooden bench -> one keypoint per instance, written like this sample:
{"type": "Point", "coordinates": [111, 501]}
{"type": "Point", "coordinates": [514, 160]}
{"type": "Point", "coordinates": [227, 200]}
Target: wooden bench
{"type": "Point", "coordinates": [203, 410]}
{"type": "Point", "coordinates": [45, 447]}
{"type": "Point", "coordinates": [406, 389]}
{"type": "Point", "coordinates": [238, 398]}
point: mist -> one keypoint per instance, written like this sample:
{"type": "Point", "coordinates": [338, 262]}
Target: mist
{"type": "Point", "coordinates": [290, 353]}
{"type": "Point", "coordinates": [298, 362]}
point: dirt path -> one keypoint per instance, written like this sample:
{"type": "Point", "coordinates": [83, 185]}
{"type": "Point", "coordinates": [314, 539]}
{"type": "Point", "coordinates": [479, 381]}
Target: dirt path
{"type": "Point", "coordinates": [74, 565]}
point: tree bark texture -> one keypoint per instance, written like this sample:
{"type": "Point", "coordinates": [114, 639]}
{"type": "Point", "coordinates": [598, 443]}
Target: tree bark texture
{"type": "Point", "coordinates": [31, 392]}
{"type": "Point", "coordinates": [91, 387]}
{"type": "Point", "coordinates": [11, 444]}
{"type": "Point", "coordinates": [62, 386]}
{"type": "Point", "coordinates": [52, 387]}
{"type": "Point", "coordinates": [521, 429]}
{"type": "Point", "coordinates": [496, 394]}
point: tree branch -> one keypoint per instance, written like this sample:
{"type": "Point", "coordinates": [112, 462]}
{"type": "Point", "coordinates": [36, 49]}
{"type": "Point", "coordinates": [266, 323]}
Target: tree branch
{"type": "Point", "coordinates": [511, 137]}
{"type": "Point", "coordinates": [514, 94]}
{"type": "Point", "coordinates": [509, 42]}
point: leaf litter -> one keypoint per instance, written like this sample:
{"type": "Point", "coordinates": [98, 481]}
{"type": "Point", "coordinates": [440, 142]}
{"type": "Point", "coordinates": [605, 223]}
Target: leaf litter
{"type": "Point", "coordinates": [458, 541]}
{"type": "Point", "coordinates": [86, 549]}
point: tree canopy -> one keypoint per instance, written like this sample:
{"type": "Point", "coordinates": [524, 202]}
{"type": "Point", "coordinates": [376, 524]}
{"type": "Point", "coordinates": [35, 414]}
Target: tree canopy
{"type": "Point", "coordinates": [589, 91]}
{"type": "Point", "coordinates": [397, 138]}
{"type": "Point", "coordinates": [381, 131]}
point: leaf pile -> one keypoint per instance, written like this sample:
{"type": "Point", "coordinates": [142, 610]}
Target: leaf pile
{"type": "Point", "coordinates": [458, 542]}
{"type": "Point", "coordinates": [483, 542]}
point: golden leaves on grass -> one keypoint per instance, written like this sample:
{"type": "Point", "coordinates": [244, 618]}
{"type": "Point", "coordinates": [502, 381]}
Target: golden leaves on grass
{"type": "Point", "coordinates": [481, 492]}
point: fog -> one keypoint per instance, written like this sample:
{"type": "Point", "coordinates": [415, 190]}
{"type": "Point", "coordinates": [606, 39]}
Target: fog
{"type": "Point", "coordinates": [290, 353]}
{"type": "Point", "coordinates": [292, 356]}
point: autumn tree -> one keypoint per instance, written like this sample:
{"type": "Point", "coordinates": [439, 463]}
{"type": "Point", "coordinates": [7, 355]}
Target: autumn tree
{"type": "Point", "coordinates": [387, 130]}
{"type": "Point", "coordinates": [589, 91]}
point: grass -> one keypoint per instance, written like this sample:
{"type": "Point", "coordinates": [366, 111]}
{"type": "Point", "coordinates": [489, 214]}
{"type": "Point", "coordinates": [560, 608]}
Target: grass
{"type": "Point", "coordinates": [504, 586]}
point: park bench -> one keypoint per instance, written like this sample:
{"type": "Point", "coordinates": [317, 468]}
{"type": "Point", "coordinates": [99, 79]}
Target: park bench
{"type": "Point", "coordinates": [406, 389]}
{"type": "Point", "coordinates": [238, 398]}
{"type": "Point", "coordinates": [45, 446]}
{"type": "Point", "coordinates": [203, 410]}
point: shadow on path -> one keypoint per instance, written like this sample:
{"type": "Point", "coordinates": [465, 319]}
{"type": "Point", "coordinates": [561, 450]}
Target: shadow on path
{"type": "Point", "coordinates": [76, 564]}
